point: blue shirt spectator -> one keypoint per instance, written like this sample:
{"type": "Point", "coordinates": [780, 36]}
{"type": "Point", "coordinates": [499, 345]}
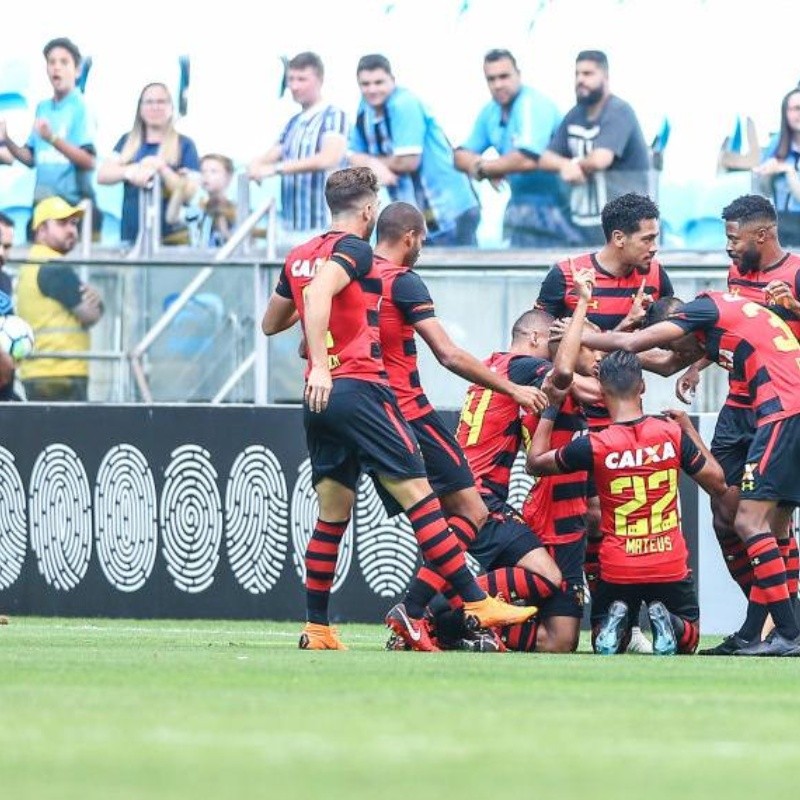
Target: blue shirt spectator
{"type": "Point", "coordinates": [518, 124]}
{"type": "Point", "coordinates": [397, 136]}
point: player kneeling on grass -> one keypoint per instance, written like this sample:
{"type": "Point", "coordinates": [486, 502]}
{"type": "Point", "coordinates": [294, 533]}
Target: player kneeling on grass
{"type": "Point", "coordinates": [636, 463]}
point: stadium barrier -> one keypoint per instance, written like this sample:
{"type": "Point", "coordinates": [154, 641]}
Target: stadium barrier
{"type": "Point", "coordinates": [201, 511]}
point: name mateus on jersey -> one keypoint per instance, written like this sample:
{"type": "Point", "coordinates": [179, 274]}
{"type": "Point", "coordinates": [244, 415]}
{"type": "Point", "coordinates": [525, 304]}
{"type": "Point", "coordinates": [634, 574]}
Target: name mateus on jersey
{"type": "Point", "coordinates": [641, 456]}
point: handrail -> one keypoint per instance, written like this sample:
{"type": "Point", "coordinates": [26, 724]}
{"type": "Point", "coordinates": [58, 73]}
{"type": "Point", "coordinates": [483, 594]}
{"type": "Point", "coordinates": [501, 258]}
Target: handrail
{"type": "Point", "coordinates": [227, 250]}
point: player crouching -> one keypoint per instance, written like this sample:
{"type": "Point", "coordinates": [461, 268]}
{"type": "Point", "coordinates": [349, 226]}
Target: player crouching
{"type": "Point", "coordinates": [643, 556]}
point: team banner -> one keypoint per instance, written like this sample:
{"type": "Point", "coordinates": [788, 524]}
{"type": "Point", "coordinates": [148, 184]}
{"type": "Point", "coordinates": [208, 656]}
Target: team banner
{"type": "Point", "coordinates": [186, 511]}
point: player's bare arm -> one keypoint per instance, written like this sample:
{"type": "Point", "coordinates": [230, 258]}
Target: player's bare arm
{"type": "Point", "coordinates": [541, 459]}
{"type": "Point", "coordinates": [465, 365]}
{"type": "Point", "coordinates": [567, 354]}
{"type": "Point", "coordinates": [327, 283]}
{"type": "Point", "coordinates": [710, 477]}
{"type": "Point", "coordinates": [281, 314]}
{"type": "Point", "coordinates": [658, 335]}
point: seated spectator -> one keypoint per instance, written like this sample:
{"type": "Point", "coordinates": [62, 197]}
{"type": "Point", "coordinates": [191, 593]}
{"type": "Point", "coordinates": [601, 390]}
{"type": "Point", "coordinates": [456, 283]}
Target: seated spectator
{"type": "Point", "coordinates": [312, 145]}
{"type": "Point", "coordinates": [218, 211]}
{"type": "Point", "coordinates": [61, 145]}
{"type": "Point", "coordinates": [779, 174]}
{"type": "Point", "coordinates": [153, 146]}
{"type": "Point", "coordinates": [400, 140]}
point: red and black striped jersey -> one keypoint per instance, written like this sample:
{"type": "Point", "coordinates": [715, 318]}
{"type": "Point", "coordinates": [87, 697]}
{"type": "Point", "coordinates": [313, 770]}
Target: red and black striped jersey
{"type": "Point", "coordinates": [612, 298]}
{"type": "Point", "coordinates": [353, 338]}
{"type": "Point", "coordinates": [489, 429]}
{"type": "Point", "coordinates": [406, 301]}
{"type": "Point", "coordinates": [757, 348]}
{"type": "Point", "coordinates": [636, 468]}
{"type": "Point", "coordinates": [555, 507]}
{"type": "Point", "coordinates": [751, 286]}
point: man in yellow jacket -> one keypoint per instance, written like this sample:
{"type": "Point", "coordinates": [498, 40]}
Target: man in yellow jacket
{"type": "Point", "coordinates": [59, 308]}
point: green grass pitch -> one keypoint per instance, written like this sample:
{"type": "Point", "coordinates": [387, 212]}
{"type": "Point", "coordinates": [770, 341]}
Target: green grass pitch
{"type": "Point", "coordinates": [185, 709]}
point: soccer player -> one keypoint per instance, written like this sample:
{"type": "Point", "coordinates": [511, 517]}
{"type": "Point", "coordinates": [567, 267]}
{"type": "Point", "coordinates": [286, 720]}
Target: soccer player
{"type": "Point", "coordinates": [407, 309]}
{"type": "Point", "coordinates": [636, 462]}
{"type": "Point", "coordinates": [762, 271]}
{"type": "Point", "coordinates": [627, 279]}
{"type": "Point", "coordinates": [351, 417]}
{"type": "Point", "coordinates": [490, 431]}
{"type": "Point", "coordinates": [763, 358]}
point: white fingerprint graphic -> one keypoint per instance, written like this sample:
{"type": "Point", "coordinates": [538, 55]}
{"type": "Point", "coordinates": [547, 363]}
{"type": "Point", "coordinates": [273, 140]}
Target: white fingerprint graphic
{"type": "Point", "coordinates": [387, 548]}
{"type": "Point", "coordinates": [13, 522]}
{"type": "Point", "coordinates": [257, 519]}
{"type": "Point", "coordinates": [191, 519]}
{"type": "Point", "coordinates": [125, 518]}
{"type": "Point", "coordinates": [305, 511]}
{"type": "Point", "coordinates": [60, 516]}
{"type": "Point", "coordinates": [520, 483]}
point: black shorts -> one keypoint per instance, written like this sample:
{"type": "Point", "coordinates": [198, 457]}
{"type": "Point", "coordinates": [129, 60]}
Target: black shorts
{"type": "Point", "coordinates": [680, 598]}
{"type": "Point", "coordinates": [568, 600]}
{"type": "Point", "coordinates": [733, 436]}
{"type": "Point", "coordinates": [361, 429]}
{"type": "Point", "coordinates": [504, 539]}
{"type": "Point", "coordinates": [773, 462]}
{"type": "Point", "coordinates": [445, 462]}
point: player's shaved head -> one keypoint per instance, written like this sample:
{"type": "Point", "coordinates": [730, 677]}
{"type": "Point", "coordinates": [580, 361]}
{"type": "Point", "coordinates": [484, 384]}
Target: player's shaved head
{"type": "Point", "coordinates": [621, 374]}
{"type": "Point", "coordinates": [661, 310]}
{"type": "Point", "coordinates": [396, 220]}
{"type": "Point", "coordinates": [530, 321]}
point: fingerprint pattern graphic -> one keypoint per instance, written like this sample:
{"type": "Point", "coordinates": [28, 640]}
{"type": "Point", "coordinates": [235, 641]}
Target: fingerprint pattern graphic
{"type": "Point", "coordinates": [60, 516]}
{"type": "Point", "coordinates": [126, 518]}
{"type": "Point", "coordinates": [257, 519]}
{"type": "Point", "coordinates": [13, 521]}
{"type": "Point", "coordinates": [305, 510]}
{"type": "Point", "coordinates": [520, 483]}
{"type": "Point", "coordinates": [387, 548]}
{"type": "Point", "coordinates": [191, 519]}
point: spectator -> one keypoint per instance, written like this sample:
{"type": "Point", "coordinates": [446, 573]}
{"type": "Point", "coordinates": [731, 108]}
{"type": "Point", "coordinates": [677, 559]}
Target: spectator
{"type": "Point", "coordinates": [398, 138]}
{"type": "Point", "coordinates": [218, 211]}
{"type": "Point", "coordinates": [779, 174]}
{"type": "Point", "coordinates": [6, 307]}
{"type": "Point", "coordinates": [59, 308]}
{"type": "Point", "coordinates": [518, 123]}
{"type": "Point", "coordinates": [154, 147]}
{"type": "Point", "coordinates": [599, 148]}
{"type": "Point", "coordinates": [61, 145]}
{"type": "Point", "coordinates": [312, 145]}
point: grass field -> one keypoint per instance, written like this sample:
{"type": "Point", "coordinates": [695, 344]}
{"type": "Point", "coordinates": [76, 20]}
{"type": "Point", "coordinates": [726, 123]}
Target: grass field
{"type": "Point", "coordinates": [186, 709]}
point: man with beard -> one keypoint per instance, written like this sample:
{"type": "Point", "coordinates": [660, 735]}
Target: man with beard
{"type": "Point", "coordinates": [351, 417]}
{"type": "Point", "coordinates": [406, 310]}
{"type": "Point", "coordinates": [762, 357]}
{"type": "Point", "coordinates": [599, 148]}
{"type": "Point", "coordinates": [761, 270]}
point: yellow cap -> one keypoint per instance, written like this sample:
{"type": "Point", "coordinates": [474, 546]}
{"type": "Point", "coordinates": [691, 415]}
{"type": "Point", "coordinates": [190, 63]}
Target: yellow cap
{"type": "Point", "coordinates": [54, 208]}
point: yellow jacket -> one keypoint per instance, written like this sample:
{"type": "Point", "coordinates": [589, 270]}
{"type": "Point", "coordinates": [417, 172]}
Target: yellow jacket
{"type": "Point", "coordinates": [55, 327]}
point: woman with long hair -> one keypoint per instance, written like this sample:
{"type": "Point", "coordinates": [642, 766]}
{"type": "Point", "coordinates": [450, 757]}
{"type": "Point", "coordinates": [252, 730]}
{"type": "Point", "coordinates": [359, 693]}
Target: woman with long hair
{"type": "Point", "coordinates": [780, 172]}
{"type": "Point", "coordinates": [153, 146]}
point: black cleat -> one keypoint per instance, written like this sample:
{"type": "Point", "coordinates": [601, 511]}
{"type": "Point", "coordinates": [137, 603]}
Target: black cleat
{"type": "Point", "coordinates": [775, 644]}
{"type": "Point", "coordinates": [729, 646]}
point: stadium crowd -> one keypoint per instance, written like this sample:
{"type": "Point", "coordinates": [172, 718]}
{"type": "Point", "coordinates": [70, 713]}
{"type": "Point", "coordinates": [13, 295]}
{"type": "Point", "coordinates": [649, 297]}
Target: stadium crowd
{"type": "Point", "coordinates": [604, 511]}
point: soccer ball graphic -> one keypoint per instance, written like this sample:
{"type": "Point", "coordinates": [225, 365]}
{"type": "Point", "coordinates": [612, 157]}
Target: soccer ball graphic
{"type": "Point", "coordinates": [16, 337]}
